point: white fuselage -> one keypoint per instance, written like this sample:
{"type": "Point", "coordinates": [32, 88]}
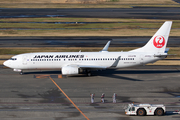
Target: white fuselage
{"type": "Point", "coordinates": [57, 60]}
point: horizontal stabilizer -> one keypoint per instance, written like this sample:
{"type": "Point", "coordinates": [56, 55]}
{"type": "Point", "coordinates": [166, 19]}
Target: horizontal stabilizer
{"type": "Point", "coordinates": [166, 50]}
{"type": "Point", "coordinates": [162, 55]}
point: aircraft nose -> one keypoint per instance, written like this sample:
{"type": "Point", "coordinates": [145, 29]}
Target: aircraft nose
{"type": "Point", "coordinates": [6, 63]}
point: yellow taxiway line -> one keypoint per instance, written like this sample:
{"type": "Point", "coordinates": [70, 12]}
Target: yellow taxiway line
{"type": "Point", "coordinates": [69, 99]}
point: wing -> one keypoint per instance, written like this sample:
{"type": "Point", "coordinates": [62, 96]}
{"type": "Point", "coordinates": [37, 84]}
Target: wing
{"type": "Point", "coordinates": [96, 66]}
{"type": "Point", "coordinates": [89, 66]}
{"type": "Point", "coordinates": [74, 68]}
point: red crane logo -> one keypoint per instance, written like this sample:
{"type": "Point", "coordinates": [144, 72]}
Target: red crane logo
{"type": "Point", "coordinates": [159, 41]}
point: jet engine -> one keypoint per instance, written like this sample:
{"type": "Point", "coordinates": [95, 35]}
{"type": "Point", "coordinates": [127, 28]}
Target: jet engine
{"type": "Point", "coordinates": [69, 70]}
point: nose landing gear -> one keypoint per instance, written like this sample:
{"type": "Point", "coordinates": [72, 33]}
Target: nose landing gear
{"type": "Point", "coordinates": [21, 73]}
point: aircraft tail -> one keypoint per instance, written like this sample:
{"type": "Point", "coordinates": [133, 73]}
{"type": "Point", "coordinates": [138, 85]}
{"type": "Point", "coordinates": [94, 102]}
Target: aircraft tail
{"type": "Point", "coordinates": [157, 44]}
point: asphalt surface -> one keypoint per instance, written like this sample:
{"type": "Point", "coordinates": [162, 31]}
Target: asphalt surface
{"type": "Point", "coordinates": [29, 97]}
{"type": "Point", "coordinates": [136, 12]}
{"type": "Point", "coordinates": [132, 41]}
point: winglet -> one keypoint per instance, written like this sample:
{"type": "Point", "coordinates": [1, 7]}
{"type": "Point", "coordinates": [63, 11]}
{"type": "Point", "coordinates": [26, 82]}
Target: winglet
{"type": "Point", "coordinates": [105, 49]}
{"type": "Point", "coordinates": [116, 62]}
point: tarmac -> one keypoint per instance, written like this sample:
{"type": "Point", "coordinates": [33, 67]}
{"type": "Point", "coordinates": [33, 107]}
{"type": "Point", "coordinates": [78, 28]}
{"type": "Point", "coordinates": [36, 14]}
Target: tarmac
{"type": "Point", "coordinates": [34, 96]}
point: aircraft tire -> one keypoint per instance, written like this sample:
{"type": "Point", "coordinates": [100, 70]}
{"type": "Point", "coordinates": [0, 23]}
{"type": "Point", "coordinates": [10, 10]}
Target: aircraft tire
{"type": "Point", "coordinates": [89, 74]}
{"type": "Point", "coordinates": [21, 73]}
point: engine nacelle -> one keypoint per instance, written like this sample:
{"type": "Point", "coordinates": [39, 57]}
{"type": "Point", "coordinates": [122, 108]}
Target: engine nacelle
{"type": "Point", "coordinates": [69, 70]}
{"type": "Point", "coordinates": [17, 70]}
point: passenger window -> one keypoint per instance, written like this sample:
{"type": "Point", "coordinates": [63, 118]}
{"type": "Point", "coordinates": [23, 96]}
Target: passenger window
{"type": "Point", "coordinates": [133, 108]}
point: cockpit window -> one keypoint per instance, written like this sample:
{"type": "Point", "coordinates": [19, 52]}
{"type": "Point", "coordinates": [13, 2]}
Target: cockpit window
{"type": "Point", "coordinates": [13, 58]}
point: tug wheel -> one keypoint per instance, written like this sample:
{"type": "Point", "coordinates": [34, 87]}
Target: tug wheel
{"type": "Point", "coordinates": [159, 112]}
{"type": "Point", "coordinates": [141, 112]}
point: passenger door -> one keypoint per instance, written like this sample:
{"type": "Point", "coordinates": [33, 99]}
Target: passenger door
{"type": "Point", "coordinates": [24, 59]}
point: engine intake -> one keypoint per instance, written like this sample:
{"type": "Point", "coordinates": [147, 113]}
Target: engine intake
{"type": "Point", "coordinates": [69, 70]}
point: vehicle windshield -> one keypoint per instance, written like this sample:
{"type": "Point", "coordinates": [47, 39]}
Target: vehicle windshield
{"type": "Point", "coordinates": [128, 107]}
{"type": "Point", "coordinates": [13, 59]}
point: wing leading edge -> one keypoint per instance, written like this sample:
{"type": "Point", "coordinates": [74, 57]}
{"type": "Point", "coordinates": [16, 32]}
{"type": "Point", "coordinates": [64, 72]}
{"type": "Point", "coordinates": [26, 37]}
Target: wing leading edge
{"type": "Point", "coordinates": [96, 67]}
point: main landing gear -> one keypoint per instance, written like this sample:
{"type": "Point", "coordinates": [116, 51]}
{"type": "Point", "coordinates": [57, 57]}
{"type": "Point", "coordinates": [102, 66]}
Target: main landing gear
{"type": "Point", "coordinates": [88, 73]}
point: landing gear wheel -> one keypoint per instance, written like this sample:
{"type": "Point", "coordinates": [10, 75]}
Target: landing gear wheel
{"type": "Point", "coordinates": [141, 112]}
{"type": "Point", "coordinates": [159, 112]}
{"type": "Point", "coordinates": [21, 73]}
{"type": "Point", "coordinates": [89, 74]}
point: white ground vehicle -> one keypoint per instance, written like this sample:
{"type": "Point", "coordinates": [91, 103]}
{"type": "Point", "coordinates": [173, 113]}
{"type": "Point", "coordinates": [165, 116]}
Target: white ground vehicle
{"type": "Point", "coordinates": [145, 109]}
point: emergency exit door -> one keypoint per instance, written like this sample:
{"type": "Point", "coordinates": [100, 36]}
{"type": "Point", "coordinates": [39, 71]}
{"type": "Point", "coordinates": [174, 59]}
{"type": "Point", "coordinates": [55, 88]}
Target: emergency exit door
{"type": "Point", "coordinates": [24, 60]}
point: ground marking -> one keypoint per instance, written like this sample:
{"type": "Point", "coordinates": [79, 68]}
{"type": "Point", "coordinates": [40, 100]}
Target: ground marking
{"type": "Point", "coordinates": [69, 99]}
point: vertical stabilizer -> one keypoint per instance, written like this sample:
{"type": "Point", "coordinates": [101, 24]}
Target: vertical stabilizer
{"type": "Point", "coordinates": [157, 44]}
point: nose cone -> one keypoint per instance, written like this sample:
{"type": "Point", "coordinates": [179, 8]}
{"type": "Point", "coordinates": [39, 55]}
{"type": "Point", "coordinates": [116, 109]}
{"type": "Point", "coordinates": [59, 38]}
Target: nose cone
{"type": "Point", "coordinates": [6, 63]}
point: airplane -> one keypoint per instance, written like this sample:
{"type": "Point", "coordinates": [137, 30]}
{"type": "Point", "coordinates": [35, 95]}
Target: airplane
{"type": "Point", "coordinates": [73, 63]}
